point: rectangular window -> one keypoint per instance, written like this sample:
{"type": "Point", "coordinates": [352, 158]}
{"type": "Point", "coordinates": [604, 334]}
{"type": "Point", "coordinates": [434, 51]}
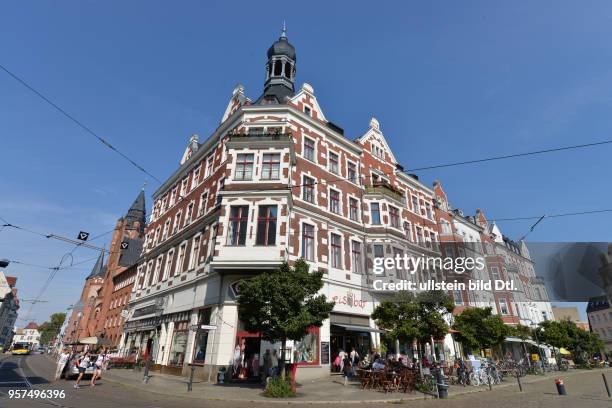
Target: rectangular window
{"type": "Point", "coordinates": [168, 267]}
{"type": "Point", "coordinates": [244, 167]}
{"type": "Point", "coordinates": [375, 211]}
{"type": "Point", "coordinates": [270, 166]}
{"type": "Point", "coordinates": [179, 344]}
{"type": "Point", "coordinates": [266, 225]}
{"type": "Point", "coordinates": [356, 256]}
{"type": "Point", "coordinates": [173, 197]}
{"type": "Point", "coordinates": [219, 196]}
{"type": "Point", "coordinates": [256, 131]}
{"type": "Point", "coordinates": [189, 215]}
{"type": "Point", "coordinates": [166, 230]}
{"type": "Point", "coordinates": [408, 231]}
{"type": "Point", "coordinates": [195, 253]}
{"type": "Point", "coordinates": [353, 209]}
{"type": "Point", "coordinates": [308, 189]}
{"type": "Point", "coordinates": [184, 187]}
{"type": "Point", "coordinates": [503, 306]}
{"type": "Point", "coordinates": [157, 273]}
{"type": "Point", "coordinates": [428, 211]}
{"type": "Point", "coordinates": [458, 297]}
{"type": "Point", "coordinates": [209, 166]}
{"type": "Point", "coordinates": [308, 242]}
{"type": "Point", "coordinates": [495, 273]}
{"type": "Point", "coordinates": [307, 110]}
{"type": "Point", "coordinates": [334, 201]}
{"type": "Point", "coordinates": [196, 177]}
{"type": "Point", "coordinates": [394, 217]}
{"type": "Point", "coordinates": [177, 223]}
{"type": "Point", "coordinates": [351, 172]}
{"type": "Point", "coordinates": [415, 205]}
{"type": "Point", "coordinates": [336, 251]}
{"type": "Point", "coordinates": [379, 251]}
{"type": "Point", "coordinates": [203, 202]}
{"type": "Point", "coordinates": [333, 162]}
{"type": "Point", "coordinates": [180, 260]}
{"type": "Point", "coordinates": [309, 149]}
{"type": "Point", "coordinates": [238, 220]}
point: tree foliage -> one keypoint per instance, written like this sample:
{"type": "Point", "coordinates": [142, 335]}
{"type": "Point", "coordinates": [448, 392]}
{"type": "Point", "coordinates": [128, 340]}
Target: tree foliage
{"type": "Point", "coordinates": [49, 329]}
{"type": "Point", "coordinates": [581, 343]}
{"type": "Point", "coordinates": [281, 305]}
{"type": "Point", "coordinates": [522, 332]}
{"type": "Point", "coordinates": [408, 316]}
{"type": "Point", "coordinates": [479, 328]}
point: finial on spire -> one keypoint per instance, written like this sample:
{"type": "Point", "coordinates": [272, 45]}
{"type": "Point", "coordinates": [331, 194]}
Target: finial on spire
{"type": "Point", "coordinates": [144, 184]}
{"type": "Point", "coordinates": [284, 31]}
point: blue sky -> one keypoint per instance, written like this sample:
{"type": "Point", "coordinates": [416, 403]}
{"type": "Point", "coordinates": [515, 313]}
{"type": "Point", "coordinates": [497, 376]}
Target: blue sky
{"type": "Point", "coordinates": [447, 80]}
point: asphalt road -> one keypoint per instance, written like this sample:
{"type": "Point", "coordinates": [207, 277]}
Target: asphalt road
{"type": "Point", "coordinates": [585, 389]}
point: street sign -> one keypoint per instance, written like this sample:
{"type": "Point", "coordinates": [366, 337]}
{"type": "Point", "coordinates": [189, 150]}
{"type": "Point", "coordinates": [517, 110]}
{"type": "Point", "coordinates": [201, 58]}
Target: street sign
{"type": "Point", "coordinates": [195, 327]}
{"type": "Point", "coordinates": [125, 245]}
{"type": "Point", "coordinates": [83, 236]}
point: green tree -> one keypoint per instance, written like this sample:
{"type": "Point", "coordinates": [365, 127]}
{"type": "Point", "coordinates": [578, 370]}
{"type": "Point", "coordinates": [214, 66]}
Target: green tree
{"type": "Point", "coordinates": [281, 305]}
{"type": "Point", "coordinates": [479, 328]}
{"type": "Point", "coordinates": [581, 343]}
{"type": "Point", "coordinates": [408, 317]}
{"type": "Point", "coordinates": [49, 329]}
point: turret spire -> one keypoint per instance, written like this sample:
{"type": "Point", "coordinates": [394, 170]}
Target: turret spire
{"type": "Point", "coordinates": [280, 71]}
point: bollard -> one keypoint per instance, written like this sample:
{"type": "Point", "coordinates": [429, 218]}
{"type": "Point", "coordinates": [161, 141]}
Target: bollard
{"type": "Point", "coordinates": [606, 384]}
{"type": "Point", "coordinates": [518, 379]}
{"type": "Point", "coordinates": [190, 383]}
{"type": "Point", "coordinates": [560, 386]}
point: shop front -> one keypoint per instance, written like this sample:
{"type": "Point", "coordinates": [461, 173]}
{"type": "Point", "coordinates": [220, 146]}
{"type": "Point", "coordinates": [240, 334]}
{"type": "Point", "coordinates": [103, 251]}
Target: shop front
{"type": "Point", "coordinates": [348, 332]}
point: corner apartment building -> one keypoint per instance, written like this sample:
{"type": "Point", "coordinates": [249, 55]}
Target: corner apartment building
{"type": "Point", "coordinates": [599, 313]}
{"type": "Point", "coordinates": [277, 181]}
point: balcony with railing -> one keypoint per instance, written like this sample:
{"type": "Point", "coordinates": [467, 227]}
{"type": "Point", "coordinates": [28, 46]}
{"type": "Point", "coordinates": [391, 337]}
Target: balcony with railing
{"type": "Point", "coordinates": [383, 188]}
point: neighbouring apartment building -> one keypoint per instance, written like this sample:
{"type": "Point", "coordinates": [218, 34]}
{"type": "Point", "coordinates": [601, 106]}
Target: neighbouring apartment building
{"type": "Point", "coordinates": [9, 306]}
{"type": "Point", "coordinates": [599, 314]}
{"type": "Point", "coordinates": [278, 181]}
{"type": "Point", "coordinates": [100, 309]}
{"type": "Point", "coordinates": [28, 335]}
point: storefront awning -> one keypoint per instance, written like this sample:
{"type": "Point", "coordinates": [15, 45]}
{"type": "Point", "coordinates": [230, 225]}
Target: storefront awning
{"type": "Point", "coordinates": [518, 340]}
{"type": "Point", "coordinates": [362, 329]}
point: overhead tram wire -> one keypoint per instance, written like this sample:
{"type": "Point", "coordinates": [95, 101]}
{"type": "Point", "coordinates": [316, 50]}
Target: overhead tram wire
{"type": "Point", "coordinates": [78, 123]}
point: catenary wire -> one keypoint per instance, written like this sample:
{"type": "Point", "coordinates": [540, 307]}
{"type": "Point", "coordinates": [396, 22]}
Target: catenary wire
{"type": "Point", "coordinates": [78, 122]}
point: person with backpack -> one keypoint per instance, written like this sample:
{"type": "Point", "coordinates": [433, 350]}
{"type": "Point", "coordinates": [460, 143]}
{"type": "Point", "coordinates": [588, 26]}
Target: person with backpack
{"type": "Point", "coordinates": [347, 368]}
{"type": "Point", "coordinates": [354, 355]}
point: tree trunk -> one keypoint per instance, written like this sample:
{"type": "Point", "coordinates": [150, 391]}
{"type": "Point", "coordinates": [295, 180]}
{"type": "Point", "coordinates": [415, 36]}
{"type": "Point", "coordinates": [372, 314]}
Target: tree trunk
{"type": "Point", "coordinates": [281, 363]}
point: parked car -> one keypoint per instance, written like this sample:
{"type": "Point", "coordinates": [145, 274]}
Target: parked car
{"type": "Point", "coordinates": [71, 371]}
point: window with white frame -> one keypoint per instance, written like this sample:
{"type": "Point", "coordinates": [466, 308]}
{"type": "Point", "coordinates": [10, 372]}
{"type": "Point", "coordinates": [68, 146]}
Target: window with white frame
{"type": "Point", "coordinates": [446, 227]}
{"type": "Point", "coordinates": [173, 196]}
{"type": "Point", "coordinates": [428, 211]}
{"type": "Point", "coordinates": [157, 235]}
{"type": "Point", "coordinates": [394, 218]}
{"type": "Point", "coordinates": [334, 201]}
{"type": "Point", "coordinates": [375, 213]}
{"type": "Point", "coordinates": [189, 214]}
{"type": "Point", "coordinates": [157, 270]}
{"type": "Point", "coordinates": [184, 187]}
{"type": "Point", "coordinates": [308, 242]}
{"type": "Point", "coordinates": [203, 202]}
{"type": "Point", "coordinates": [495, 275]}
{"type": "Point", "coordinates": [353, 209]}
{"type": "Point", "coordinates": [356, 260]}
{"type": "Point", "coordinates": [408, 231]}
{"type": "Point", "coordinates": [308, 189]}
{"type": "Point", "coordinates": [415, 205]}
{"type": "Point", "coordinates": [244, 166]}
{"type": "Point", "coordinates": [196, 177]}
{"type": "Point", "coordinates": [177, 222]}
{"type": "Point", "coordinates": [166, 229]}
{"type": "Point", "coordinates": [457, 297]}
{"type": "Point", "coordinates": [309, 149]}
{"type": "Point", "coordinates": [334, 162]}
{"type": "Point", "coordinates": [351, 171]}
{"type": "Point", "coordinates": [270, 167]}
{"type": "Point", "coordinates": [180, 260]}
{"type": "Point", "coordinates": [219, 196]}
{"type": "Point", "coordinates": [238, 220]}
{"type": "Point", "coordinates": [195, 253]}
{"type": "Point", "coordinates": [210, 163]}
{"type": "Point", "coordinates": [503, 306]}
{"type": "Point", "coordinates": [266, 225]}
{"type": "Point", "coordinates": [168, 267]}
{"type": "Point", "coordinates": [336, 251]}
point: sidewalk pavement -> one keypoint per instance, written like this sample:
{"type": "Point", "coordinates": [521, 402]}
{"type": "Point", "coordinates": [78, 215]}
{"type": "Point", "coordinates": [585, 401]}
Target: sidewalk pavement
{"type": "Point", "coordinates": [328, 390]}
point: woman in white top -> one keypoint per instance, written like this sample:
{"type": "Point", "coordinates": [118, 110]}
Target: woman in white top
{"type": "Point", "coordinates": [98, 366]}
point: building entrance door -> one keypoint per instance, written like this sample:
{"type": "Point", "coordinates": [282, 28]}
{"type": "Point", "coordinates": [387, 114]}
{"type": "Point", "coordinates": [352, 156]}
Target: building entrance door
{"type": "Point", "coordinates": [246, 355]}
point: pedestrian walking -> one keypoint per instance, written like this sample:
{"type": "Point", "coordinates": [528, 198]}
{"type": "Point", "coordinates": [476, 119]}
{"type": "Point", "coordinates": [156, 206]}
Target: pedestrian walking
{"type": "Point", "coordinates": [61, 363]}
{"type": "Point", "coordinates": [82, 363]}
{"type": "Point", "coordinates": [274, 364]}
{"type": "Point", "coordinates": [98, 367]}
{"type": "Point", "coordinates": [266, 365]}
{"type": "Point", "coordinates": [354, 360]}
{"type": "Point", "coordinates": [342, 354]}
{"type": "Point", "coordinates": [347, 368]}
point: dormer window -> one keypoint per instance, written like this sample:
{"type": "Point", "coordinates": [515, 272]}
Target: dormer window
{"type": "Point", "coordinates": [307, 110]}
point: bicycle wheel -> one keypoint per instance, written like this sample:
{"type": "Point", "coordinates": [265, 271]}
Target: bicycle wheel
{"type": "Point", "coordinates": [474, 379]}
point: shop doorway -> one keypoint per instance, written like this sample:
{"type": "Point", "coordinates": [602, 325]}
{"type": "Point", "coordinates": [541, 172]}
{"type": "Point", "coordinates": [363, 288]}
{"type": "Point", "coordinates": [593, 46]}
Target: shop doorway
{"type": "Point", "coordinates": [346, 341]}
{"type": "Point", "coordinates": [246, 363]}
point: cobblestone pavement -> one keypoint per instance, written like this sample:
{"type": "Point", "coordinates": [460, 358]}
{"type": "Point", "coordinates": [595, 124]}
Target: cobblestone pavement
{"type": "Point", "coordinates": [585, 389]}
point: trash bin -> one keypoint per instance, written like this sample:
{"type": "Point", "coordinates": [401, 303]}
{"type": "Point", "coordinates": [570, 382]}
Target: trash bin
{"type": "Point", "coordinates": [442, 391]}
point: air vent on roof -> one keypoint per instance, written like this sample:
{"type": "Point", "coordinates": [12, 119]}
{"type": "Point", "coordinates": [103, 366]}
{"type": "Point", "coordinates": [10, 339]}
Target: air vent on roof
{"type": "Point", "coordinates": [335, 127]}
{"type": "Point", "coordinates": [414, 176]}
{"type": "Point", "coordinates": [399, 167]}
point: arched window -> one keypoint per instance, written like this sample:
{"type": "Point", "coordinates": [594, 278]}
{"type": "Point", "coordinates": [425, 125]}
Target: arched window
{"type": "Point", "coordinates": [288, 69]}
{"type": "Point", "coordinates": [278, 68]}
